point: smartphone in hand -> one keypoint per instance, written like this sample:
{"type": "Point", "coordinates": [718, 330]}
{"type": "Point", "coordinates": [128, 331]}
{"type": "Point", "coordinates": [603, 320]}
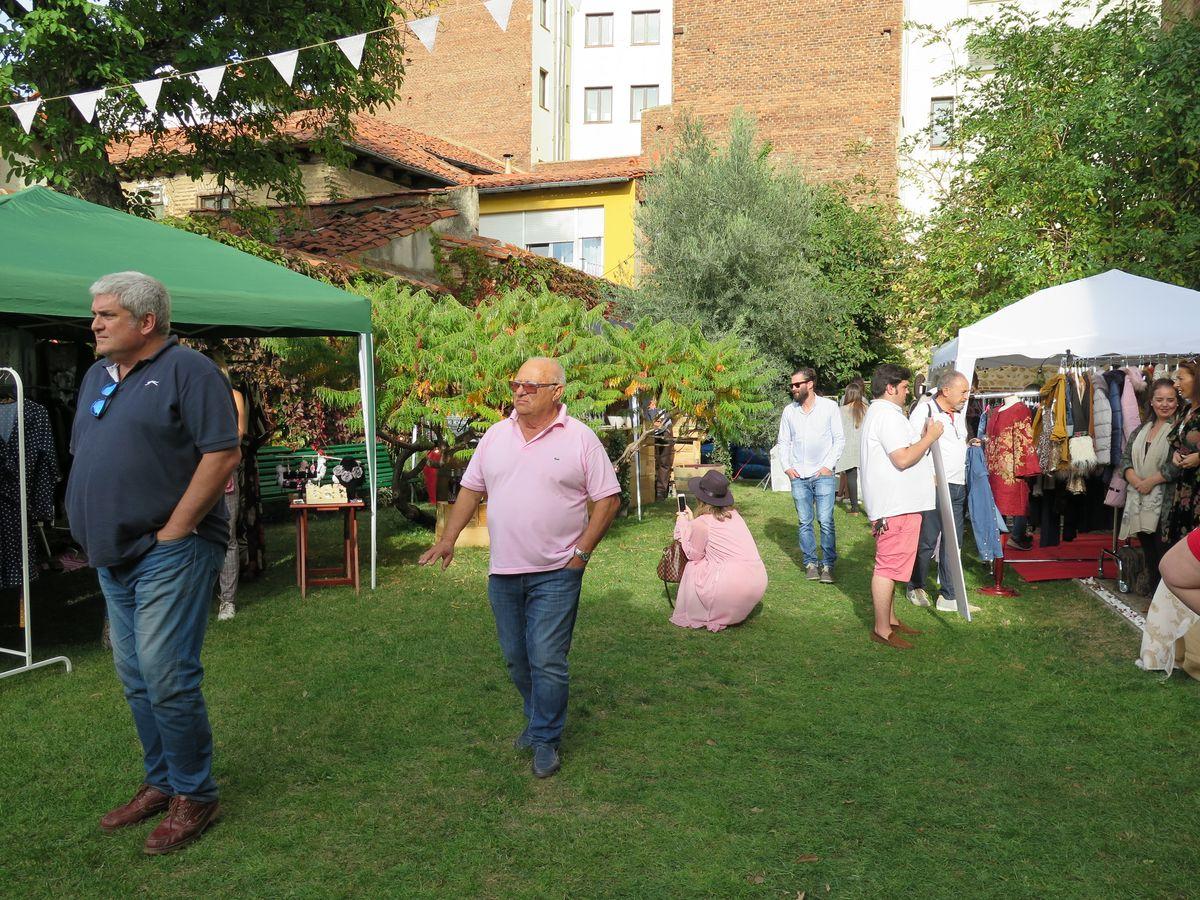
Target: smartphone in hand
{"type": "Point", "coordinates": [682, 503]}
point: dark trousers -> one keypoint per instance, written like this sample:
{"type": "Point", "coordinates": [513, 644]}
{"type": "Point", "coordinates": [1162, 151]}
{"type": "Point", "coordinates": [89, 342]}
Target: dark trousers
{"type": "Point", "coordinates": [664, 456]}
{"type": "Point", "coordinates": [931, 530]}
{"type": "Point", "coordinates": [1153, 550]}
{"type": "Point", "coordinates": [851, 476]}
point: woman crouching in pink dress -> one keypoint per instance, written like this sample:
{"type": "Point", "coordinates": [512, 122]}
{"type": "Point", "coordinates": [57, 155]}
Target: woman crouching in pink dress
{"type": "Point", "coordinates": [724, 578]}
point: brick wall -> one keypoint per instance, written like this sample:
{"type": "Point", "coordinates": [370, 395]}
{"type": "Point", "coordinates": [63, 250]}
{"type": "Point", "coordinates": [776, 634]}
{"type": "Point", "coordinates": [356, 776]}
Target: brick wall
{"type": "Point", "coordinates": [818, 75]}
{"type": "Point", "coordinates": [475, 89]}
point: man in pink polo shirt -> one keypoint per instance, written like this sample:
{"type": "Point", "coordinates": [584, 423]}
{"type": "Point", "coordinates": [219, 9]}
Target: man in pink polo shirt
{"type": "Point", "coordinates": [538, 468]}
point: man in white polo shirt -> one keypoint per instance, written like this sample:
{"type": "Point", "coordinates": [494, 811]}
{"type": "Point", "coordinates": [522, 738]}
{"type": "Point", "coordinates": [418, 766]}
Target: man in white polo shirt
{"type": "Point", "coordinates": [538, 468]}
{"type": "Point", "coordinates": [896, 475]}
{"type": "Point", "coordinates": [810, 442]}
{"type": "Point", "coordinates": [946, 406]}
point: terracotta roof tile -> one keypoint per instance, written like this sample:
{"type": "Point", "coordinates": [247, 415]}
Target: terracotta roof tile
{"type": "Point", "coordinates": [350, 232]}
{"type": "Point", "coordinates": [550, 174]}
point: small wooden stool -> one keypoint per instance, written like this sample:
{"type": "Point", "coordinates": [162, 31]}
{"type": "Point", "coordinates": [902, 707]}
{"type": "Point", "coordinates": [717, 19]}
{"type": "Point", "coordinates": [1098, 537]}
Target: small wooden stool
{"type": "Point", "coordinates": [347, 572]}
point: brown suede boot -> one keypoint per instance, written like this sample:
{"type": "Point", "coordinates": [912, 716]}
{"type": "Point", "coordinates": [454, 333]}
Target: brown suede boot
{"type": "Point", "coordinates": [148, 801]}
{"type": "Point", "coordinates": [185, 821]}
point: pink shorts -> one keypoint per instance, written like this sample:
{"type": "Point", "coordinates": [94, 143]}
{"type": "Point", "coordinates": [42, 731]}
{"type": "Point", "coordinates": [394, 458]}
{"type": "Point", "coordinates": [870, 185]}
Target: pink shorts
{"type": "Point", "coordinates": [1193, 541]}
{"type": "Point", "coordinates": [896, 548]}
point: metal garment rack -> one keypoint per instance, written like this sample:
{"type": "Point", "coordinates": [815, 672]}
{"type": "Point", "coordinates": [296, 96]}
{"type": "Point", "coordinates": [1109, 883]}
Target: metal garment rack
{"type": "Point", "coordinates": [26, 655]}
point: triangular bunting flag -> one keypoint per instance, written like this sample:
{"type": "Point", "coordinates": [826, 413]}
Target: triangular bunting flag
{"type": "Point", "coordinates": [353, 48]}
{"type": "Point", "coordinates": [85, 102]}
{"type": "Point", "coordinates": [210, 80]}
{"type": "Point", "coordinates": [426, 30]}
{"type": "Point", "coordinates": [500, 10]}
{"type": "Point", "coordinates": [148, 91]}
{"type": "Point", "coordinates": [285, 63]}
{"type": "Point", "coordinates": [28, 7]}
{"type": "Point", "coordinates": [25, 113]}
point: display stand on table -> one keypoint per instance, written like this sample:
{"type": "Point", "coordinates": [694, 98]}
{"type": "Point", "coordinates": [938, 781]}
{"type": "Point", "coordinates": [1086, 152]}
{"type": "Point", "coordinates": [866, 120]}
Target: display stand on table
{"type": "Point", "coordinates": [347, 572]}
{"type": "Point", "coordinates": [26, 655]}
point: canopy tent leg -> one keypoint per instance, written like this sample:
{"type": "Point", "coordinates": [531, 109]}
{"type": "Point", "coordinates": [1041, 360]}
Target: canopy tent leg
{"type": "Point", "coordinates": [366, 372]}
{"type": "Point", "coordinates": [25, 655]}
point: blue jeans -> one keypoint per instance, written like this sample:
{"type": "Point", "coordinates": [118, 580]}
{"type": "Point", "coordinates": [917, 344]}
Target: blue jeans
{"type": "Point", "coordinates": [931, 530]}
{"type": "Point", "coordinates": [818, 491]}
{"type": "Point", "coordinates": [535, 620]}
{"type": "Point", "coordinates": [158, 613]}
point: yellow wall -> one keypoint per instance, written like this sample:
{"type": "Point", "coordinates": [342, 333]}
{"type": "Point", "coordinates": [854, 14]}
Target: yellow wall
{"type": "Point", "coordinates": [619, 201]}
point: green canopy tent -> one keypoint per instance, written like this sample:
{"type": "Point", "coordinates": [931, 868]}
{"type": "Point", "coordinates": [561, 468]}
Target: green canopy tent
{"type": "Point", "coordinates": [53, 247]}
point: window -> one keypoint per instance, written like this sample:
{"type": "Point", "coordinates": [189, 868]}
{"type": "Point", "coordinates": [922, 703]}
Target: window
{"type": "Point", "coordinates": [574, 236]}
{"type": "Point", "coordinates": [592, 257]}
{"type": "Point", "coordinates": [941, 121]}
{"type": "Point", "coordinates": [543, 88]}
{"type": "Point", "coordinates": [544, 6]}
{"type": "Point", "coordinates": [151, 193]}
{"type": "Point", "coordinates": [598, 30]}
{"type": "Point", "coordinates": [563, 251]}
{"type": "Point", "coordinates": [597, 104]}
{"type": "Point", "coordinates": [641, 96]}
{"type": "Point", "coordinates": [215, 201]}
{"type": "Point", "coordinates": [645, 27]}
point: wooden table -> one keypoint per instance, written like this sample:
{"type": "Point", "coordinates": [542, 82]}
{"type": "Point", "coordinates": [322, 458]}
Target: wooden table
{"type": "Point", "coordinates": [347, 572]}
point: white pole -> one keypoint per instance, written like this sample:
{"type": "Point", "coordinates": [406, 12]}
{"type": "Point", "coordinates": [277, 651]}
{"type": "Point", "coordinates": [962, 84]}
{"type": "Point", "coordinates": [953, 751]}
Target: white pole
{"type": "Point", "coordinates": [366, 372]}
{"type": "Point", "coordinates": [637, 455]}
{"type": "Point", "coordinates": [26, 606]}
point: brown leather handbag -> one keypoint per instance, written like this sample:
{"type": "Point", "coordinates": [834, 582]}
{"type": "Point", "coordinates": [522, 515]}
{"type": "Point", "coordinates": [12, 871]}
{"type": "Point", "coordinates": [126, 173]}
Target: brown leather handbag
{"type": "Point", "coordinates": [671, 566]}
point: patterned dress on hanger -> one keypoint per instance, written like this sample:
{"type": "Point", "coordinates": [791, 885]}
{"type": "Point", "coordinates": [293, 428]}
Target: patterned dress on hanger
{"type": "Point", "coordinates": [41, 472]}
{"type": "Point", "coordinates": [1011, 458]}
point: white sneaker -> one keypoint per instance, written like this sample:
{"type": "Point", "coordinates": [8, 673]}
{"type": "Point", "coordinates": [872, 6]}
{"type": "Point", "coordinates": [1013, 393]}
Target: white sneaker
{"type": "Point", "coordinates": [226, 611]}
{"type": "Point", "coordinates": [945, 604]}
{"type": "Point", "coordinates": [917, 596]}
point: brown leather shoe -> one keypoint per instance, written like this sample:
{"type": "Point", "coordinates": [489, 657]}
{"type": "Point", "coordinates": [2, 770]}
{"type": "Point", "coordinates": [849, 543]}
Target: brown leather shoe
{"type": "Point", "coordinates": [904, 629]}
{"type": "Point", "coordinates": [893, 640]}
{"type": "Point", "coordinates": [148, 801]}
{"type": "Point", "coordinates": [185, 821]}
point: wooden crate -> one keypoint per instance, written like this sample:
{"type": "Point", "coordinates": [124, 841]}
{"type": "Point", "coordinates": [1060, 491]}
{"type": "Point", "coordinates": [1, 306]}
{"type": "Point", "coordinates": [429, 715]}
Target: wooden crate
{"type": "Point", "coordinates": [474, 535]}
{"type": "Point", "coordinates": [683, 473]}
{"type": "Point", "coordinates": [687, 453]}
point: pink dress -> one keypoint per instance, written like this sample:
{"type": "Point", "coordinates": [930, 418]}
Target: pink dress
{"type": "Point", "coordinates": [724, 578]}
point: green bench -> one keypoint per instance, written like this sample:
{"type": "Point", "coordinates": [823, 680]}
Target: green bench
{"type": "Point", "coordinates": [270, 457]}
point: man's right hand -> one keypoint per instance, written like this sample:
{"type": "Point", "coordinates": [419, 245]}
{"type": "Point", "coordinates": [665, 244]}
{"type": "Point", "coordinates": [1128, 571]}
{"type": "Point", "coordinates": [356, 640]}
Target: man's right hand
{"type": "Point", "coordinates": [933, 429]}
{"type": "Point", "coordinates": [441, 550]}
{"type": "Point", "coordinates": [791, 473]}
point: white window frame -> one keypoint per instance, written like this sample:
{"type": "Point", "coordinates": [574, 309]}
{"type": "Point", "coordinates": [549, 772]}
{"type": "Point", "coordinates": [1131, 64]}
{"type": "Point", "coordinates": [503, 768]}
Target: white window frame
{"type": "Point", "coordinates": [633, 23]}
{"type": "Point", "coordinates": [543, 89]}
{"type": "Point", "coordinates": [586, 106]}
{"type": "Point", "coordinates": [544, 6]}
{"type": "Point", "coordinates": [942, 130]}
{"type": "Point", "coordinates": [633, 106]}
{"type": "Point", "coordinates": [599, 17]}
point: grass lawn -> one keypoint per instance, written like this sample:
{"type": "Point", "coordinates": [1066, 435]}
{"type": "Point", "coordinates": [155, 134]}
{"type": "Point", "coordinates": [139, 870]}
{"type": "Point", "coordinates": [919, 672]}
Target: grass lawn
{"type": "Point", "coordinates": [363, 746]}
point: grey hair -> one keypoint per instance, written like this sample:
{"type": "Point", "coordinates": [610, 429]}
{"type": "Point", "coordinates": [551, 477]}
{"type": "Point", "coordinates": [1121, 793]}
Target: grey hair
{"type": "Point", "coordinates": [560, 374]}
{"type": "Point", "coordinates": [949, 378]}
{"type": "Point", "coordinates": [140, 294]}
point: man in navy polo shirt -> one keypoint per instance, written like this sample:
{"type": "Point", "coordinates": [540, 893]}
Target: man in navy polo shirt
{"type": "Point", "coordinates": [154, 441]}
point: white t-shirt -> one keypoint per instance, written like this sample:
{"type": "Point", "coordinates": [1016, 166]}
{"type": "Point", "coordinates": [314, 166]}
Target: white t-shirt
{"type": "Point", "coordinates": [888, 491]}
{"type": "Point", "coordinates": [953, 442]}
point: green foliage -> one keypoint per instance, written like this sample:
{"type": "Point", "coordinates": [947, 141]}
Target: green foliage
{"type": "Point", "coordinates": [1079, 153]}
{"type": "Point", "coordinates": [66, 46]}
{"type": "Point", "coordinates": [471, 275]}
{"type": "Point", "coordinates": [741, 244]}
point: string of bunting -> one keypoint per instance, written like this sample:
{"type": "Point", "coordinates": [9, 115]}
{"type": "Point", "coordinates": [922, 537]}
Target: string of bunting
{"type": "Point", "coordinates": [424, 29]}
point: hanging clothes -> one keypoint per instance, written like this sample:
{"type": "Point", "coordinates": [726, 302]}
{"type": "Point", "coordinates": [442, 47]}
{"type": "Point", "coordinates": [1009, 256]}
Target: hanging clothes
{"type": "Point", "coordinates": [1116, 383]}
{"type": "Point", "coordinates": [1102, 419]}
{"type": "Point", "coordinates": [41, 473]}
{"type": "Point", "coordinates": [1131, 417]}
{"type": "Point", "coordinates": [986, 521]}
{"type": "Point", "coordinates": [1052, 426]}
{"type": "Point", "coordinates": [1010, 458]}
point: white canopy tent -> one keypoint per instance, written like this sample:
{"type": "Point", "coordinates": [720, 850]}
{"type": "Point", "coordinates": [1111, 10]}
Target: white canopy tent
{"type": "Point", "coordinates": [1113, 314]}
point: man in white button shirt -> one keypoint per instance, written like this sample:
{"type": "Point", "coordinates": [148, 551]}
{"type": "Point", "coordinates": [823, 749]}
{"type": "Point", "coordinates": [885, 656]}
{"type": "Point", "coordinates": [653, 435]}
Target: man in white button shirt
{"type": "Point", "coordinates": [810, 442]}
{"type": "Point", "coordinates": [897, 486]}
{"type": "Point", "coordinates": [945, 406]}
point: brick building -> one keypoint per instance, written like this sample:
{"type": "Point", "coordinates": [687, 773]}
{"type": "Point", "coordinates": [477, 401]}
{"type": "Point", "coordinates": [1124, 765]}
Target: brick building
{"type": "Point", "coordinates": [820, 77]}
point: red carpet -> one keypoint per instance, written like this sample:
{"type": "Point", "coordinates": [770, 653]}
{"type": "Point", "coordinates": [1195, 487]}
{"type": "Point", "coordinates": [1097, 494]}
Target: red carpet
{"type": "Point", "coordinates": [1065, 559]}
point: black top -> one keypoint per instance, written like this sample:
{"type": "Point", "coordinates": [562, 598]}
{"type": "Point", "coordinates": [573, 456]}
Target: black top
{"type": "Point", "coordinates": [133, 463]}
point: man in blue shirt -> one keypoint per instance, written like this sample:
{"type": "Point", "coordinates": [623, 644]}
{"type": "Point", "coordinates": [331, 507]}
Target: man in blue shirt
{"type": "Point", "coordinates": [154, 441]}
{"type": "Point", "coordinates": [810, 442]}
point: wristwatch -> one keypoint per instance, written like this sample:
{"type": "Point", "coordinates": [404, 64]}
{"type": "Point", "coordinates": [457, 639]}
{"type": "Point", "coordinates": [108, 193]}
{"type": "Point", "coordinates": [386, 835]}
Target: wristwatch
{"type": "Point", "coordinates": [584, 556]}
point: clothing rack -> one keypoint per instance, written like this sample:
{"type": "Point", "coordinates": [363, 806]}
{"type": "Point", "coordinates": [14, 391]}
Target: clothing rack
{"type": "Point", "coordinates": [26, 655]}
{"type": "Point", "coordinates": [1000, 395]}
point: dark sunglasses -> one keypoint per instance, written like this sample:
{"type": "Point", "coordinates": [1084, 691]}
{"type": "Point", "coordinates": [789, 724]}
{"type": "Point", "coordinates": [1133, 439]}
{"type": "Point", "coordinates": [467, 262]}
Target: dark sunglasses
{"type": "Point", "coordinates": [801, 383]}
{"type": "Point", "coordinates": [530, 387]}
{"type": "Point", "coordinates": [106, 395]}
